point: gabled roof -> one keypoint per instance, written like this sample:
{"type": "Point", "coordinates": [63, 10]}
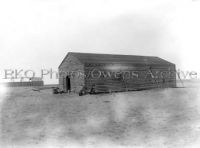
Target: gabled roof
{"type": "Point", "coordinates": [114, 58]}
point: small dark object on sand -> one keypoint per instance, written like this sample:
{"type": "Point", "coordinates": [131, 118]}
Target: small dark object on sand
{"type": "Point", "coordinates": [55, 90]}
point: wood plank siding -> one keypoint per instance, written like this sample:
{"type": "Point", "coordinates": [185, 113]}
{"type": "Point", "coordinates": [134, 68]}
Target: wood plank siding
{"type": "Point", "coordinates": [69, 65]}
{"type": "Point", "coordinates": [111, 73]}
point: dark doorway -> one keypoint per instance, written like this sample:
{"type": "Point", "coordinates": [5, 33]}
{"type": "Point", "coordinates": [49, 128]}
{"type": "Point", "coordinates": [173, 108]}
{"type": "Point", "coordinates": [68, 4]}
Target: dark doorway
{"type": "Point", "coordinates": [68, 84]}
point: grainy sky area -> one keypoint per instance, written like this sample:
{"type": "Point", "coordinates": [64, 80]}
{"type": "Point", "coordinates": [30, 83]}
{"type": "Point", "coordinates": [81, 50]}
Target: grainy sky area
{"type": "Point", "coordinates": [37, 34]}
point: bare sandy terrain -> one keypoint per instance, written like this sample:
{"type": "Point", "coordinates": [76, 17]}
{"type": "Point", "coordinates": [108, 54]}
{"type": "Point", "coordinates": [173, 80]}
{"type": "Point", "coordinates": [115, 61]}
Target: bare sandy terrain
{"type": "Point", "coordinates": [152, 118]}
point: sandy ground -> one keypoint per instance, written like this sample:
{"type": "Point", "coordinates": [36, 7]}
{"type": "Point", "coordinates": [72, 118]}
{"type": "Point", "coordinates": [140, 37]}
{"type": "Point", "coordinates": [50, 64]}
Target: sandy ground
{"type": "Point", "coordinates": [152, 118]}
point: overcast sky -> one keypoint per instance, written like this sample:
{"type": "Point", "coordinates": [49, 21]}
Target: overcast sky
{"type": "Point", "coordinates": [37, 34]}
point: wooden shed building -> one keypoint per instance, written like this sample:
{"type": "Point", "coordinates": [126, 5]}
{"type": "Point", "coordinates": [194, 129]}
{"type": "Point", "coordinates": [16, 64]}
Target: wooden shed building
{"type": "Point", "coordinates": [95, 73]}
